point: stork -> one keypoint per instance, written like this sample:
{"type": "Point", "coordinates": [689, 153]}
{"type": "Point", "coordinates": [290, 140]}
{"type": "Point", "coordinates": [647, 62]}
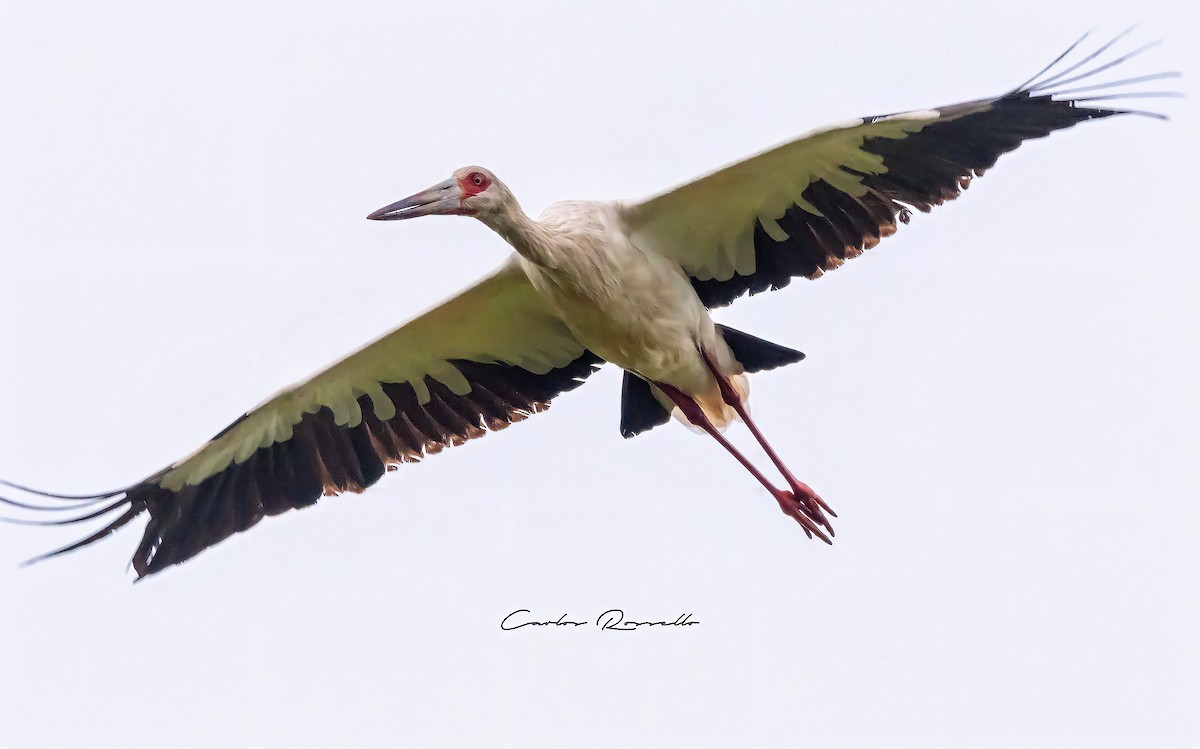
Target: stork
{"type": "Point", "coordinates": [626, 282]}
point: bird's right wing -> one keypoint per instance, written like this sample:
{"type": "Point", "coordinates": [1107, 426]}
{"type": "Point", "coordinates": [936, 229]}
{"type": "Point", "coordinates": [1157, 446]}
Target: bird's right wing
{"type": "Point", "coordinates": [479, 361]}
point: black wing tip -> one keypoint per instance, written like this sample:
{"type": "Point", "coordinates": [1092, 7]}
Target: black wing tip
{"type": "Point", "coordinates": [55, 495]}
{"type": "Point", "coordinates": [62, 503]}
{"type": "Point", "coordinates": [1048, 84]}
{"type": "Point", "coordinates": [289, 475]}
{"type": "Point", "coordinates": [935, 164]}
{"type": "Point", "coordinates": [131, 512]}
{"type": "Point", "coordinates": [132, 499]}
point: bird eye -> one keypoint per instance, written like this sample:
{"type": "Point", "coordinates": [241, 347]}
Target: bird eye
{"type": "Point", "coordinates": [474, 183]}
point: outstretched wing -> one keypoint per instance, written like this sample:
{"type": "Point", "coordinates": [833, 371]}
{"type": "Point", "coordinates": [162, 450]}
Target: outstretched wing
{"type": "Point", "coordinates": [805, 207]}
{"type": "Point", "coordinates": [488, 357]}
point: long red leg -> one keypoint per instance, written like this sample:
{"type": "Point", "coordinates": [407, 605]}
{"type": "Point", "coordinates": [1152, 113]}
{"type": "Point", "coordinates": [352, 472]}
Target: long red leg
{"type": "Point", "coordinates": [731, 396]}
{"type": "Point", "coordinates": [787, 501]}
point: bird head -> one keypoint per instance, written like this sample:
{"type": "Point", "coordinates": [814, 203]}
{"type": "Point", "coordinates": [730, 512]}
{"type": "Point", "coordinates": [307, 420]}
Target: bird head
{"type": "Point", "coordinates": [471, 191]}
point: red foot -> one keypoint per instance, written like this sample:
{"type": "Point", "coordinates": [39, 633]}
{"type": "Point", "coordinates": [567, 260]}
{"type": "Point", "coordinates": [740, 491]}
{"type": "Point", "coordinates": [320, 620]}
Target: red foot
{"type": "Point", "coordinates": [813, 504]}
{"type": "Point", "coordinates": [800, 510]}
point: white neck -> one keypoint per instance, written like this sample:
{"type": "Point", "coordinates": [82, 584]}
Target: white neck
{"type": "Point", "coordinates": [531, 239]}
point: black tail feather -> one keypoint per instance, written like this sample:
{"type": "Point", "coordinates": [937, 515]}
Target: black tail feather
{"type": "Point", "coordinates": [755, 354]}
{"type": "Point", "coordinates": [641, 411]}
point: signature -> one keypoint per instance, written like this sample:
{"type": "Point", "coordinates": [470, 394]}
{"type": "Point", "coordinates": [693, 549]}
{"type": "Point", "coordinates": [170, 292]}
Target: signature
{"type": "Point", "coordinates": [613, 620]}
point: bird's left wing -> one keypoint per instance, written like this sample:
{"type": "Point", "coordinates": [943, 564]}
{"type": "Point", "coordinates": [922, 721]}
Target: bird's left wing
{"type": "Point", "coordinates": [479, 361]}
{"type": "Point", "coordinates": [807, 206]}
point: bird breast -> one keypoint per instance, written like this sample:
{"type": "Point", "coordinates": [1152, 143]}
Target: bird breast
{"type": "Point", "coordinates": [632, 307]}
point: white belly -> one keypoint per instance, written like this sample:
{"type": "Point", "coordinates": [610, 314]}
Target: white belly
{"type": "Point", "coordinates": [633, 308]}
{"type": "Point", "coordinates": [653, 328]}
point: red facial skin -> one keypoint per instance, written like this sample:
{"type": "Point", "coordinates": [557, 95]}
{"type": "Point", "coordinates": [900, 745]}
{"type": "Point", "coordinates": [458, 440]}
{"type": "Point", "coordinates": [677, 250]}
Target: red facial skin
{"type": "Point", "coordinates": [474, 183]}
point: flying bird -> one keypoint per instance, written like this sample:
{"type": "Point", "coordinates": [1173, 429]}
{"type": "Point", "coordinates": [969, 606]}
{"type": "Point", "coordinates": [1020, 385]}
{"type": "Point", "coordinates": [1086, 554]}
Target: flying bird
{"type": "Point", "coordinates": [626, 282]}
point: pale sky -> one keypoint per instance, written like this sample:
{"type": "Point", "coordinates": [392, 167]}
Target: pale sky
{"type": "Point", "coordinates": [1000, 401]}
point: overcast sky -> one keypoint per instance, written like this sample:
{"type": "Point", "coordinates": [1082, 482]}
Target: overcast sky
{"type": "Point", "coordinates": [1000, 401]}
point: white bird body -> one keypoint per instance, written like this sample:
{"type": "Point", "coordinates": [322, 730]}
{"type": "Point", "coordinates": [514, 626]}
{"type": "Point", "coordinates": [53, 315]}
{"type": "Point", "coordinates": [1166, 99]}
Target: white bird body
{"type": "Point", "coordinates": [630, 283]}
{"type": "Point", "coordinates": [630, 305]}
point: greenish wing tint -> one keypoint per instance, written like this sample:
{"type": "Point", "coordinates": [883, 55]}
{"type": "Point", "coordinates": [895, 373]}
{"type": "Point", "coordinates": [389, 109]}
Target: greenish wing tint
{"type": "Point", "coordinates": [488, 357]}
{"type": "Point", "coordinates": [805, 207]}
